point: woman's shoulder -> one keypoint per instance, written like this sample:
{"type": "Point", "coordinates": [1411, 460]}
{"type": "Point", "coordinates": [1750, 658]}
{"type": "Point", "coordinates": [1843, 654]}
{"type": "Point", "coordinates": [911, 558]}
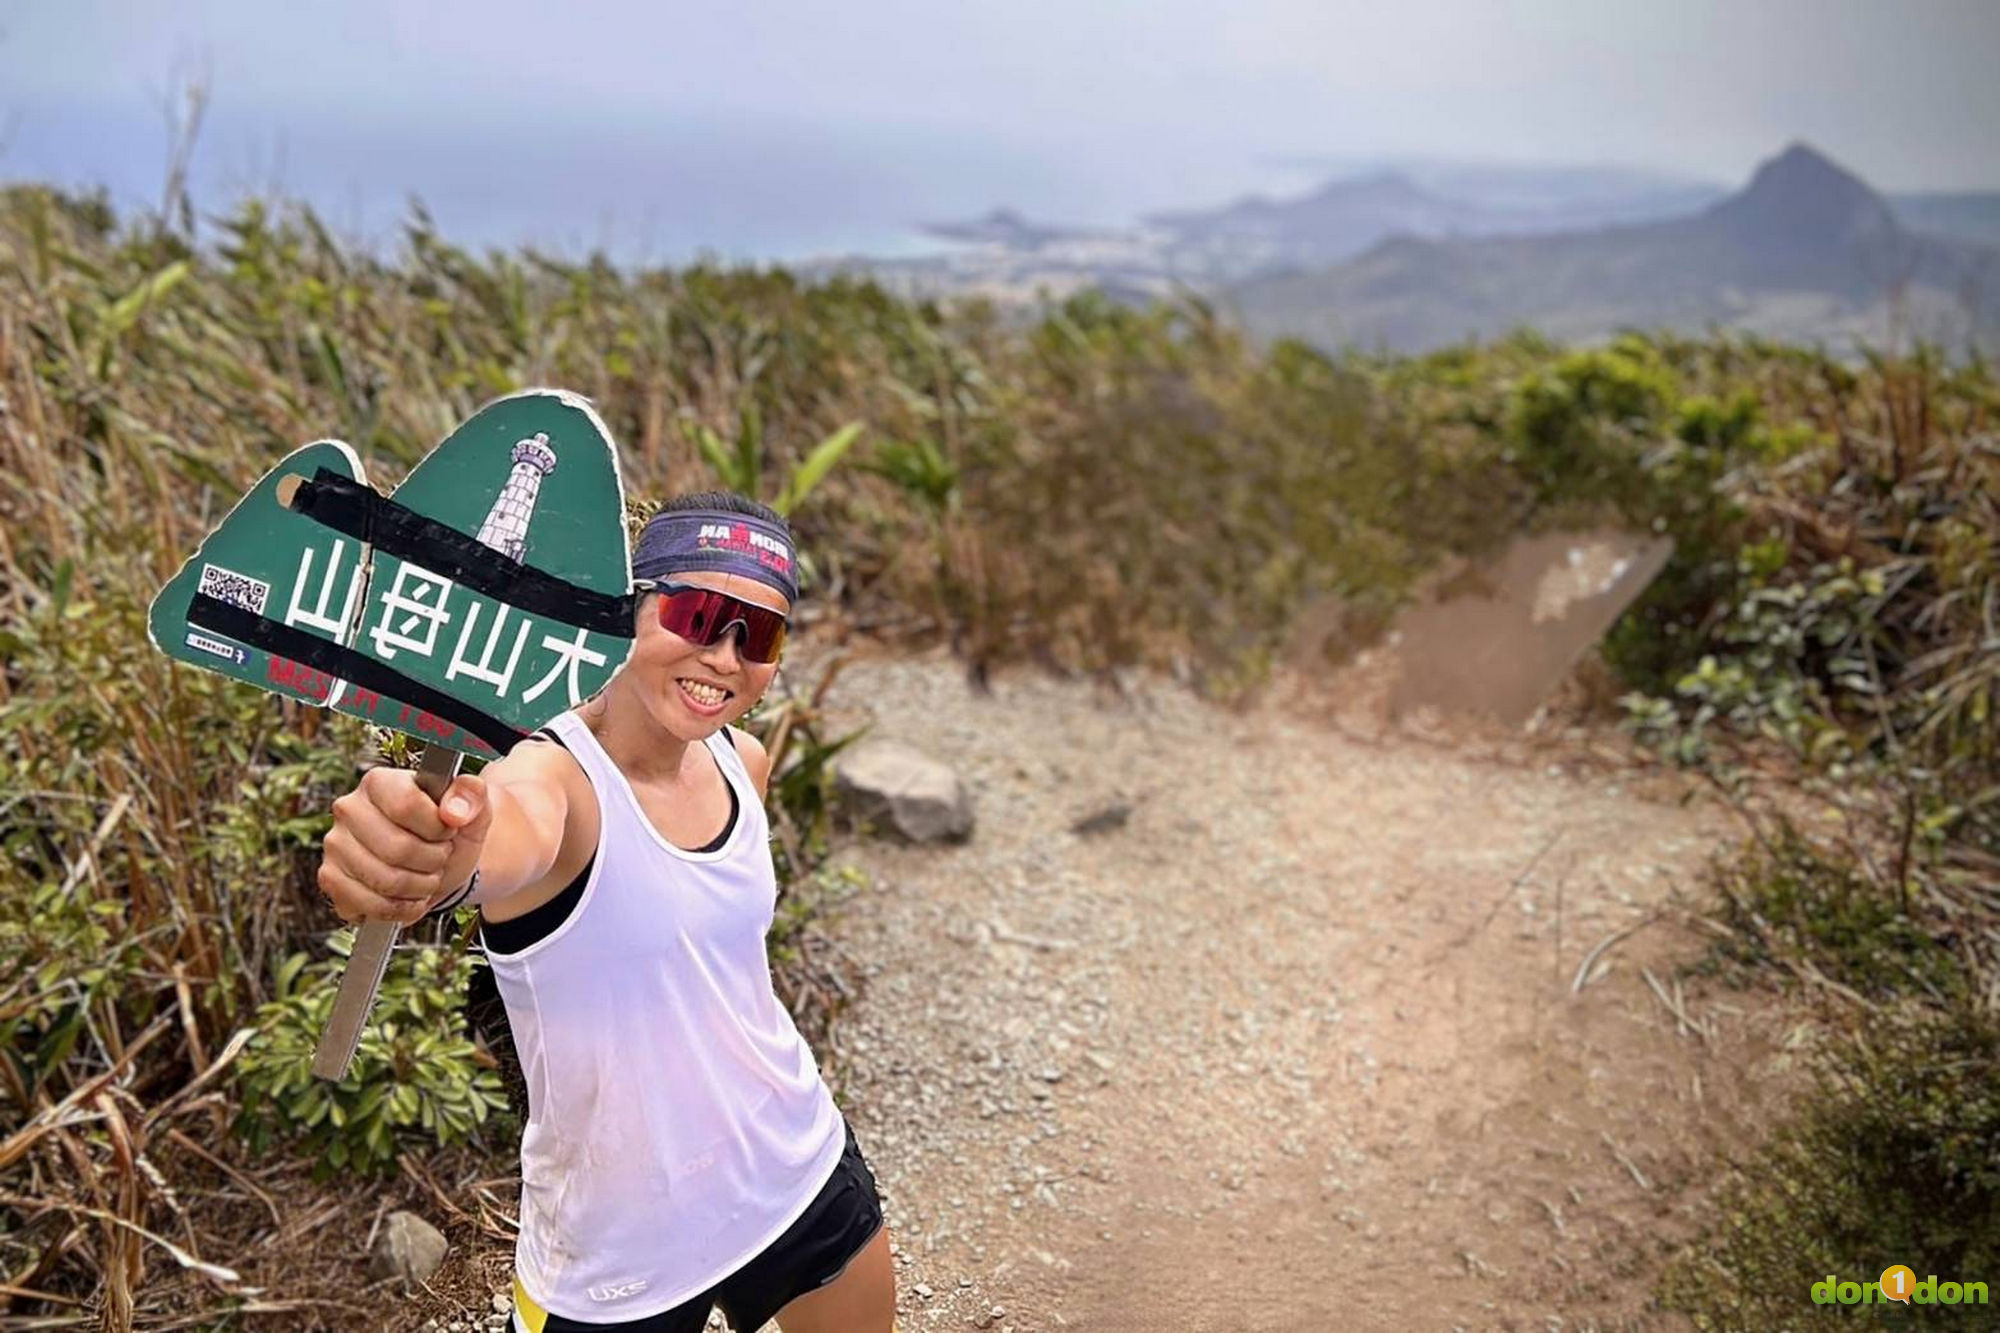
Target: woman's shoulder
{"type": "Point", "coordinates": [544, 759]}
{"type": "Point", "coordinates": [751, 751]}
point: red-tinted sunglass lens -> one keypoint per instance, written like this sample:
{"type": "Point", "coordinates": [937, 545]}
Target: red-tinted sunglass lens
{"type": "Point", "coordinates": [763, 642]}
{"type": "Point", "coordinates": [690, 614]}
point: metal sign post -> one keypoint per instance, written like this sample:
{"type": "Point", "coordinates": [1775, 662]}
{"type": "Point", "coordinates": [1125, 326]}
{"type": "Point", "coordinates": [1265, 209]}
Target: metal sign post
{"type": "Point", "coordinates": [489, 593]}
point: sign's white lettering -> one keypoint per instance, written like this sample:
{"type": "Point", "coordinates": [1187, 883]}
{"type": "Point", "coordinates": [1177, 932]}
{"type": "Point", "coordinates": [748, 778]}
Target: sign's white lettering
{"type": "Point", "coordinates": [483, 668]}
{"type": "Point", "coordinates": [418, 596]}
{"type": "Point", "coordinates": [569, 656]}
{"type": "Point", "coordinates": [317, 617]}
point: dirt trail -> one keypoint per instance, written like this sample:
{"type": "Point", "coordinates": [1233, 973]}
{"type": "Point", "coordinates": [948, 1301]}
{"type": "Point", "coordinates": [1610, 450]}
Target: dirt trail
{"type": "Point", "coordinates": [1295, 1047]}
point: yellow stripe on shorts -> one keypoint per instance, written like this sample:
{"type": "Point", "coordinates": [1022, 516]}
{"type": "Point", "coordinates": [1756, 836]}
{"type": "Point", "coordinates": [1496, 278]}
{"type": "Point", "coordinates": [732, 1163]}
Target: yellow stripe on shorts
{"type": "Point", "coordinates": [532, 1316]}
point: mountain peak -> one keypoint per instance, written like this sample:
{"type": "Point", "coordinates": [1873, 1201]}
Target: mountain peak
{"type": "Point", "coordinates": [1803, 194]}
{"type": "Point", "coordinates": [1803, 165]}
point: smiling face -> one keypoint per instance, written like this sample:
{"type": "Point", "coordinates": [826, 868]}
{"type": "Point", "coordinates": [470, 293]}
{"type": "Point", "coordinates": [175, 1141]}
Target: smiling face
{"type": "Point", "coordinates": [661, 660]}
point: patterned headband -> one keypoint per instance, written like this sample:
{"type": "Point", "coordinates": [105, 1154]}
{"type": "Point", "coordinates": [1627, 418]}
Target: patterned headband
{"type": "Point", "coordinates": [720, 539]}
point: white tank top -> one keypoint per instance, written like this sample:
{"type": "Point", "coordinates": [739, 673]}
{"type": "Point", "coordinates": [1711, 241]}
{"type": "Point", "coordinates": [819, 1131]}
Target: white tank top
{"type": "Point", "coordinates": [677, 1122]}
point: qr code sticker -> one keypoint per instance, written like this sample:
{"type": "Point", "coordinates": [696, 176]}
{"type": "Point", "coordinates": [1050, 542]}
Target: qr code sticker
{"type": "Point", "coordinates": [226, 585]}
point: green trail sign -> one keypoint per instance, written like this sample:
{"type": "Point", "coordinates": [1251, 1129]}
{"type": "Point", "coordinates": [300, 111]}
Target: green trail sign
{"type": "Point", "coordinates": [489, 593]}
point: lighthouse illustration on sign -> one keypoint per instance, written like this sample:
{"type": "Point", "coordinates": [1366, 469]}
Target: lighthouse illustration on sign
{"type": "Point", "coordinates": [506, 527]}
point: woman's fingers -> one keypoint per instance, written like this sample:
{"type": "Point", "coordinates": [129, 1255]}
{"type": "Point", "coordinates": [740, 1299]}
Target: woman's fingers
{"type": "Point", "coordinates": [387, 839]}
{"type": "Point", "coordinates": [345, 850]}
{"type": "Point", "coordinates": [394, 792]}
{"type": "Point", "coordinates": [354, 902]}
{"type": "Point", "coordinates": [466, 806]}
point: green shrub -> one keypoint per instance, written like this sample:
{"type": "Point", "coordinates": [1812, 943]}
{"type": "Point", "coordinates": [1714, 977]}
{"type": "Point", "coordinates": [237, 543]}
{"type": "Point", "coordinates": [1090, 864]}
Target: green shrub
{"type": "Point", "coordinates": [1581, 427]}
{"type": "Point", "coordinates": [416, 1079]}
{"type": "Point", "coordinates": [155, 821]}
{"type": "Point", "coordinates": [1788, 661]}
{"type": "Point", "coordinates": [1893, 1158]}
{"type": "Point", "coordinates": [1791, 901]}
{"type": "Point", "coordinates": [64, 954]}
{"type": "Point", "coordinates": [1627, 434]}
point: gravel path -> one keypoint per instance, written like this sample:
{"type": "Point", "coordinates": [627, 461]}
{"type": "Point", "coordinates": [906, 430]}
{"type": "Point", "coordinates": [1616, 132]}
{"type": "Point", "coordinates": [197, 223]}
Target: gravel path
{"type": "Point", "coordinates": [1293, 1047]}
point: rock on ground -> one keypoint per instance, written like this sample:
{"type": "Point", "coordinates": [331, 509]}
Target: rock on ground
{"type": "Point", "coordinates": [407, 1249]}
{"type": "Point", "coordinates": [903, 790]}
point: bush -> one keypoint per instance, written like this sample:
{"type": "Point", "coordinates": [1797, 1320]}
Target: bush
{"type": "Point", "coordinates": [1895, 1158]}
{"type": "Point", "coordinates": [1790, 902]}
{"type": "Point", "coordinates": [1786, 664]}
{"type": "Point", "coordinates": [1854, 644]}
{"type": "Point", "coordinates": [416, 1079]}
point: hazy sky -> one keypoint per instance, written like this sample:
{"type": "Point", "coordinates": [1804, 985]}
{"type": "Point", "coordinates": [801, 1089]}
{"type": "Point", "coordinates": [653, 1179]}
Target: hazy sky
{"type": "Point", "coordinates": [772, 129]}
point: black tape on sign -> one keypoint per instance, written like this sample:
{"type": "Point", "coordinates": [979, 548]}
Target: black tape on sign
{"type": "Point", "coordinates": [362, 512]}
{"type": "Point", "coordinates": [282, 640]}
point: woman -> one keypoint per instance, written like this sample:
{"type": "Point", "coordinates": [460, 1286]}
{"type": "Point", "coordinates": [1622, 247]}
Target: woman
{"type": "Point", "coordinates": [681, 1148]}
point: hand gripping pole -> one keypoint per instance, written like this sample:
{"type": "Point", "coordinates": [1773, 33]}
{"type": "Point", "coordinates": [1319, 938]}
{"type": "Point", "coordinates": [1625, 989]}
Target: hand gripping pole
{"type": "Point", "coordinates": [374, 941]}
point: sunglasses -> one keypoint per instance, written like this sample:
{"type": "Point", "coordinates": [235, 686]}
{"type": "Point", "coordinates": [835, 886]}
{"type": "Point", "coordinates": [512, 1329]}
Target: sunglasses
{"type": "Point", "coordinates": [703, 615]}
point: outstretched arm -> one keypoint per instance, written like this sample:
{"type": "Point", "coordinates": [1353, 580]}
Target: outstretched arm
{"type": "Point", "coordinates": [394, 854]}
